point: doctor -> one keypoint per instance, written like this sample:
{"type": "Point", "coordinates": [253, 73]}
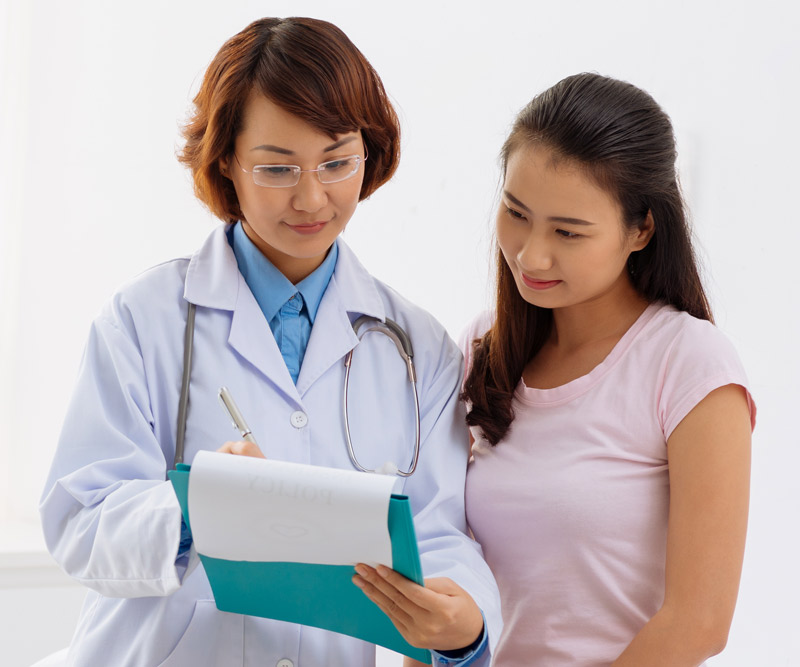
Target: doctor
{"type": "Point", "coordinates": [291, 129]}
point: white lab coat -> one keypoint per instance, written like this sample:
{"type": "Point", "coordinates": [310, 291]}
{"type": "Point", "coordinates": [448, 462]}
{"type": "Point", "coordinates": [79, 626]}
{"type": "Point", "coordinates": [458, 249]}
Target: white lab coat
{"type": "Point", "coordinates": [113, 522]}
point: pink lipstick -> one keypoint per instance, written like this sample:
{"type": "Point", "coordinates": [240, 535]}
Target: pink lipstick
{"type": "Point", "coordinates": [539, 284]}
{"type": "Point", "coordinates": [312, 228]}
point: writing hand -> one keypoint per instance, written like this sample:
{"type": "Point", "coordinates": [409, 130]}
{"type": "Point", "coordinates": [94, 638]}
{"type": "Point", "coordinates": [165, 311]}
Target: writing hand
{"type": "Point", "coordinates": [242, 448]}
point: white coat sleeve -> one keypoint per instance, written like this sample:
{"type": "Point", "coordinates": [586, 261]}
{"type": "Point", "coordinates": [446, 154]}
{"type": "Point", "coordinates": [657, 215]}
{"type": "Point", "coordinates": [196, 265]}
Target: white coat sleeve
{"type": "Point", "coordinates": [109, 517]}
{"type": "Point", "coordinates": [436, 490]}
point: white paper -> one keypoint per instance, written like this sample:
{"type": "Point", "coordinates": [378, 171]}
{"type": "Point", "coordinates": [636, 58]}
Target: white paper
{"type": "Point", "coordinates": [247, 509]}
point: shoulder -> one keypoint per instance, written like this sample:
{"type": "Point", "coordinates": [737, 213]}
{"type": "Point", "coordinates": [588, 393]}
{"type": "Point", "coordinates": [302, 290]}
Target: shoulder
{"type": "Point", "coordinates": [687, 339]}
{"type": "Point", "coordinates": [425, 331]}
{"type": "Point", "coordinates": [358, 292]}
{"type": "Point", "coordinates": [695, 358]}
{"type": "Point", "coordinates": [475, 330]}
{"type": "Point", "coordinates": [157, 292]}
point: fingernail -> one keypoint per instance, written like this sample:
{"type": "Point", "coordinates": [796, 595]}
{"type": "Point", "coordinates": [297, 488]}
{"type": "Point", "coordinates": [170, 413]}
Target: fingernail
{"type": "Point", "coordinates": [358, 582]}
{"type": "Point", "coordinates": [361, 570]}
{"type": "Point", "coordinates": [383, 571]}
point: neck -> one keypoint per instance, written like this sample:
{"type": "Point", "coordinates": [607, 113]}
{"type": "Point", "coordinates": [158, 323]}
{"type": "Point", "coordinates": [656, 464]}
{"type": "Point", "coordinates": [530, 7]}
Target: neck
{"type": "Point", "coordinates": [294, 269]}
{"type": "Point", "coordinates": [608, 316]}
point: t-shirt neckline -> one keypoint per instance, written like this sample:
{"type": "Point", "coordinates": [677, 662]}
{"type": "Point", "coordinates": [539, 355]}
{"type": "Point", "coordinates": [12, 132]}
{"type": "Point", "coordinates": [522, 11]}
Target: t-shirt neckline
{"type": "Point", "coordinates": [574, 388]}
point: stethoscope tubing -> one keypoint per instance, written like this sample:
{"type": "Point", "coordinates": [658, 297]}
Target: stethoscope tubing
{"type": "Point", "coordinates": [403, 344]}
{"type": "Point", "coordinates": [388, 328]}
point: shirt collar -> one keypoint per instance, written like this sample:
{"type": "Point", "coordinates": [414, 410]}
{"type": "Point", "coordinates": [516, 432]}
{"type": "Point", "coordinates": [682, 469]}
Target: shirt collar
{"type": "Point", "coordinates": [269, 286]}
{"type": "Point", "coordinates": [213, 279]}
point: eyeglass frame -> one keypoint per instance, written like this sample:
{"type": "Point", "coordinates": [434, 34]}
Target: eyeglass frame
{"type": "Point", "coordinates": [299, 172]}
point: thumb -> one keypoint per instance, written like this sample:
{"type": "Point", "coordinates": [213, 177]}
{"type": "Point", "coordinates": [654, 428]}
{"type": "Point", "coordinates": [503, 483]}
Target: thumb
{"type": "Point", "coordinates": [443, 586]}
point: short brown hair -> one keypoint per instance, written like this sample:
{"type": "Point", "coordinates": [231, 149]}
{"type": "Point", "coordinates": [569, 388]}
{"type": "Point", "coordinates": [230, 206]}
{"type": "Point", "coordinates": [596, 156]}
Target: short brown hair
{"type": "Point", "coordinates": [309, 68]}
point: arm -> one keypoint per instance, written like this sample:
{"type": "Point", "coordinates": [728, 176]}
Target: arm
{"type": "Point", "coordinates": [109, 517]}
{"type": "Point", "coordinates": [445, 614]}
{"type": "Point", "coordinates": [709, 471]}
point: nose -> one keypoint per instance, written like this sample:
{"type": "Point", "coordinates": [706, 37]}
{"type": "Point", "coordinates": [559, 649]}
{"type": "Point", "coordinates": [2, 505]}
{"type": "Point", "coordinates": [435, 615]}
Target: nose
{"type": "Point", "coordinates": [309, 193]}
{"type": "Point", "coordinates": [535, 254]}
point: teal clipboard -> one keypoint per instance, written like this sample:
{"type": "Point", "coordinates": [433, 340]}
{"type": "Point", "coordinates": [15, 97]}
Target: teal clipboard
{"type": "Point", "coordinates": [322, 596]}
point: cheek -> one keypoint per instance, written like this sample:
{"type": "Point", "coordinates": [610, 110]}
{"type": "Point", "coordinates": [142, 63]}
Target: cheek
{"type": "Point", "coordinates": [506, 239]}
{"type": "Point", "coordinates": [262, 202]}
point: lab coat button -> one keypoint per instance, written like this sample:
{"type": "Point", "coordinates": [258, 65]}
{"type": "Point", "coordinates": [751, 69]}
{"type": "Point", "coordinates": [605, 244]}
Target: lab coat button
{"type": "Point", "coordinates": [285, 662]}
{"type": "Point", "coordinates": [299, 419]}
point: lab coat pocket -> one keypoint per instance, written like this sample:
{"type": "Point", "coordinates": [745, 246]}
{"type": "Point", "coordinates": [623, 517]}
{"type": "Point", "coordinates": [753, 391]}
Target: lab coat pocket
{"type": "Point", "coordinates": [213, 638]}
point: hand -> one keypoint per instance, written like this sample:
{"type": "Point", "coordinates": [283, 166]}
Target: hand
{"type": "Point", "coordinates": [440, 616]}
{"type": "Point", "coordinates": [242, 448]}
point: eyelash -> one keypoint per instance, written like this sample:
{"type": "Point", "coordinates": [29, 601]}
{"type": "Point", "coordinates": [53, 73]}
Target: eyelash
{"type": "Point", "coordinates": [516, 215]}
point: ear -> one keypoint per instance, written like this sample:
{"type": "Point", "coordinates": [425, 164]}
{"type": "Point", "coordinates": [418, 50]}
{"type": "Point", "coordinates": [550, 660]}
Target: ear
{"type": "Point", "coordinates": [222, 165]}
{"type": "Point", "coordinates": [641, 237]}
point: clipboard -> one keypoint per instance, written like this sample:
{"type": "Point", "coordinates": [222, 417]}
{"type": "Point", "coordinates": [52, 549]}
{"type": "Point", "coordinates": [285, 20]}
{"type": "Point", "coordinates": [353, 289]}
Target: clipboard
{"type": "Point", "coordinates": [321, 596]}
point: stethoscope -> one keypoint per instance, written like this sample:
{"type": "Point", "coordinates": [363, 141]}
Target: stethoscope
{"type": "Point", "coordinates": [363, 325]}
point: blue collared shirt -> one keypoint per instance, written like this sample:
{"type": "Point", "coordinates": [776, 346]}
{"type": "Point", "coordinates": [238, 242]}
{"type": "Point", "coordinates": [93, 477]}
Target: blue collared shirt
{"type": "Point", "coordinates": [289, 309]}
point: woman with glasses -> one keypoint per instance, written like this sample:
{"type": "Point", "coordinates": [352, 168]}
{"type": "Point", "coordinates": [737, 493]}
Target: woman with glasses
{"type": "Point", "coordinates": [291, 130]}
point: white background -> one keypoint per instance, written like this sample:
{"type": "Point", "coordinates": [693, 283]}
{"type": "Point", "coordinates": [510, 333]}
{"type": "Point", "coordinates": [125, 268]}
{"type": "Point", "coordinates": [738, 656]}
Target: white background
{"type": "Point", "coordinates": [92, 97]}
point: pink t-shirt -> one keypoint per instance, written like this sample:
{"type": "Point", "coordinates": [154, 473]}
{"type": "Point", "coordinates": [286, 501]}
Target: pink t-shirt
{"type": "Point", "coordinates": [571, 506]}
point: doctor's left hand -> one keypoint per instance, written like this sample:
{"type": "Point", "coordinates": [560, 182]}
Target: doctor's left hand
{"type": "Point", "coordinates": [441, 615]}
{"type": "Point", "coordinates": [242, 448]}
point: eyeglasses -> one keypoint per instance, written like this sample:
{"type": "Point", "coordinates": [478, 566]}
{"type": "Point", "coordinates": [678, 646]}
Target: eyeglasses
{"type": "Point", "coordinates": [288, 175]}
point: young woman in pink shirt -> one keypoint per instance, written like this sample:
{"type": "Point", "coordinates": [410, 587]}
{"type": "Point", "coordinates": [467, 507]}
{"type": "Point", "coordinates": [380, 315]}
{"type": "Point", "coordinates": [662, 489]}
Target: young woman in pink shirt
{"type": "Point", "coordinates": [611, 419]}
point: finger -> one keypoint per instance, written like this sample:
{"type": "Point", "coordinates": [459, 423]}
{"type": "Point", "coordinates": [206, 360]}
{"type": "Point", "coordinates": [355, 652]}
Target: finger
{"type": "Point", "coordinates": [394, 586]}
{"type": "Point", "coordinates": [388, 589]}
{"type": "Point", "coordinates": [444, 586]}
{"type": "Point", "coordinates": [420, 596]}
{"type": "Point", "coordinates": [401, 619]}
{"type": "Point", "coordinates": [242, 448]}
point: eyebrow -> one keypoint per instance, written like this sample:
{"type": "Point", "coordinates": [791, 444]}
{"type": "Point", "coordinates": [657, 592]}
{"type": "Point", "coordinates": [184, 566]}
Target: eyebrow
{"type": "Point", "coordinates": [285, 151]}
{"type": "Point", "coordinates": [553, 218]}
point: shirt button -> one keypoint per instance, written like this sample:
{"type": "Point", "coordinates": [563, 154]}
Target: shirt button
{"type": "Point", "coordinates": [284, 663]}
{"type": "Point", "coordinates": [299, 419]}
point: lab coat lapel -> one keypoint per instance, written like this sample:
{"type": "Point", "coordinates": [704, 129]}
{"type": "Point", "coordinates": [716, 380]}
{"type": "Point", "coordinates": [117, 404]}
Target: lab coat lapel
{"type": "Point", "coordinates": [351, 292]}
{"type": "Point", "coordinates": [252, 338]}
{"type": "Point", "coordinates": [213, 281]}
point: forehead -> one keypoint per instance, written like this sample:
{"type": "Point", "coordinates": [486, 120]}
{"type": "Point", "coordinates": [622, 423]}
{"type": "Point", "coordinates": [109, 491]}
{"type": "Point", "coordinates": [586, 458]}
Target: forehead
{"type": "Point", "coordinates": [265, 122]}
{"type": "Point", "coordinates": [553, 186]}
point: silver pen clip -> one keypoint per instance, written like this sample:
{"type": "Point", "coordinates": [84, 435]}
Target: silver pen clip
{"type": "Point", "coordinates": [239, 423]}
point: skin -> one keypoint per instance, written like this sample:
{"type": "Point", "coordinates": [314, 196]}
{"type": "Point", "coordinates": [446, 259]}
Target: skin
{"type": "Point", "coordinates": [593, 304]}
{"type": "Point", "coordinates": [273, 216]}
{"type": "Point", "coordinates": [441, 615]}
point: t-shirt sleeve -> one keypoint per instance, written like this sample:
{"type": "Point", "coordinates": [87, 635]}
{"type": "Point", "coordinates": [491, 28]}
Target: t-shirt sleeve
{"type": "Point", "coordinates": [475, 329]}
{"type": "Point", "coordinates": [700, 360]}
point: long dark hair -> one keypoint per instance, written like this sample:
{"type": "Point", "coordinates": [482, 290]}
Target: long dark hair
{"type": "Point", "coordinates": [623, 140]}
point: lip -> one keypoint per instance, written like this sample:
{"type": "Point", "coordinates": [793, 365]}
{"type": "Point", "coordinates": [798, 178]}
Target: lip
{"type": "Point", "coordinates": [308, 228]}
{"type": "Point", "coordinates": [539, 284]}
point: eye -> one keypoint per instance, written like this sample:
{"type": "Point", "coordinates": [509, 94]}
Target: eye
{"type": "Point", "coordinates": [273, 171]}
{"type": "Point", "coordinates": [345, 164]}
{"type": "Point", "coordinates": [567, 234]}
{"type": "Point", "coordinates": [514, 214]}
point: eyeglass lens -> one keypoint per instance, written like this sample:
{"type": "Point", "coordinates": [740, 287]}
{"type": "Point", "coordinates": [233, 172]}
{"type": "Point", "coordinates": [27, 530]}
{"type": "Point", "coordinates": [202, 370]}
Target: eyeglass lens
{"type": "Point", "coordinates": [286, 175]}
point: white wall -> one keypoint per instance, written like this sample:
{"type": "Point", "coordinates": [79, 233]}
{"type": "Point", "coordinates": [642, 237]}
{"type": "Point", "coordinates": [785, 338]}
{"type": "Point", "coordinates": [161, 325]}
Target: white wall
{"type": "Point", "coordinates": [92, 94]}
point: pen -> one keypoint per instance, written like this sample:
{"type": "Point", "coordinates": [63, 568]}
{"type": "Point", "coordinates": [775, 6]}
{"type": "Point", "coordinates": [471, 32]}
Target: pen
{"type": "Point", "coordinates": [238, 421]}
